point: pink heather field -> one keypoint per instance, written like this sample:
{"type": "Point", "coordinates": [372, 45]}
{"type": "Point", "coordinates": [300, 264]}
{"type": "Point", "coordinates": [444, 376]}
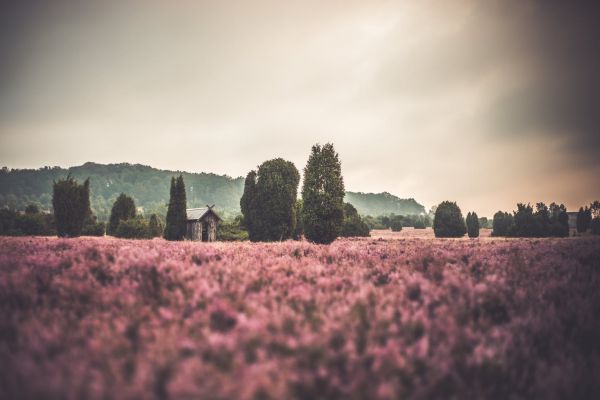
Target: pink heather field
{"type": "Point", "coordinates": [387, 317]}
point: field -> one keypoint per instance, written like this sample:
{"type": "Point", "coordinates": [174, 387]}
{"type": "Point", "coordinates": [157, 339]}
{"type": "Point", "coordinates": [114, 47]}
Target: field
{"type": "Point", "coordinates": [374, 318]}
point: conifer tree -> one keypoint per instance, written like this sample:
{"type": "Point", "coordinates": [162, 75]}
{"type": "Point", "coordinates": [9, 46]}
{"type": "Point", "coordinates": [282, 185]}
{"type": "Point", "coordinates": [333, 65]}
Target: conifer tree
{"type": "Point", "coordinates": [472, 225]}
{"type": "Point", "coordinates": [71, 203]}
{"type": "Point", "coordinates": [448, 220]}
{"type": "Point", "coordinates": [323, 195]}
{"type": "Point", "coordinates": [123, 209]}
{"type": "Point", "coordinates": [176, 211]}
{"type": "Point", "coordinates": [248, 205]}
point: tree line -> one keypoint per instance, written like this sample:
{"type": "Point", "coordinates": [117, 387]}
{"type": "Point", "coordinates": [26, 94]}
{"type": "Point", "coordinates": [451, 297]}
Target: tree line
{"type": "Point", "coordinates": [545, 221]}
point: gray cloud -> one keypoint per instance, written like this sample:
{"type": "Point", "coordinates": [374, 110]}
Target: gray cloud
{"type": "Point", "coordinates": [431, 100]}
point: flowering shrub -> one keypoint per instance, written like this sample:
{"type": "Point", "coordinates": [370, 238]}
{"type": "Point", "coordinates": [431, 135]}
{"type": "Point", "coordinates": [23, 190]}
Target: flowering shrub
{"type": "Point", "coordinates": [361, 318]}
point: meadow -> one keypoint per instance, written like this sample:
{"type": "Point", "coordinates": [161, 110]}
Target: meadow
{"type": "Point", "coordinates": [379, 318]}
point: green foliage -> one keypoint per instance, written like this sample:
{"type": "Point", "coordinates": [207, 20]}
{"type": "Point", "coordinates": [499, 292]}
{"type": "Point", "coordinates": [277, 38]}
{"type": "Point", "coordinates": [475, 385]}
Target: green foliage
{"type": "Point", "coordinates": [419, 224]}
{"type": "Point", "coordinates": [353, 225]}
{"type": "Point", "coordinates": [232, 230]}
{"type": "Point", "coordinates": [31, 223]}
{"type": "Point", "coordinates": [323, 195]}
{"type": "Point", "coordinates": [584, 218]}
{"type": "Point", "coordinates": [155, 226]}
{"type": "Point", "coordinates": [502, 224]}
{"type": "Point", "coordinates": [472, 225]}
{"type": "Point", "coordinates": [383, 204]}
{"type": "Point", "coordinates": [299, 228]}
{"type": "Point", "coordinates": [559, 221]}
{"type": "Point", "coordinates": [485, 223]}
{"type": "Point", "coordinates": [71, 203]}
{"type": "Point", "coordinates": [122, 209]}
{"type": "Point", "coordinates": [32, 209]}
{"type": "Point", "coordinates": [595, 226]}
{"type": "Point", "coordinates": [448, 220]}
{"type": "Point", "coordinates": [91, 227]}
{"type": "Point", "coordinates": [147, 185]}
{"type": "Point", "coordinates": [269, 202]}
{"type": "Point", "coordinates": [396, 222]}
{"type": "Point", "coordinates": [595, 214]}
{"type": "Point", "coordinates": [248, 204]}
{"type": "Point", "coordinates": [545, 221]}
{"type": "Point", "coordinates": [134, 228]}
{"type": "Point", "coordinates": [176, 213]}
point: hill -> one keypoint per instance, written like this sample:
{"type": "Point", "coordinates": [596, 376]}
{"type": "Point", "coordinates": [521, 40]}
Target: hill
{"type": "Point", "coordinates": [150, 189]}
{"type": "Point", "coordinates": [383, 204]}
{"type": "Point", "coordinates": [148, 186]}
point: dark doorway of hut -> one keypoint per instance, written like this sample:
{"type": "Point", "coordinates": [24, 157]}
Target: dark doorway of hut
{"type": "Point", "coordinates": [205, 232]}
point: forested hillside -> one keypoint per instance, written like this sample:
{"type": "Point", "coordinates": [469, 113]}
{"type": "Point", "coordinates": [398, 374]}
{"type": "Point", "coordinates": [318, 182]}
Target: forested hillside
{"type": "Point", "coordinates": [383, 204]}
{"type": "Point", "coordinates": [149, 187]}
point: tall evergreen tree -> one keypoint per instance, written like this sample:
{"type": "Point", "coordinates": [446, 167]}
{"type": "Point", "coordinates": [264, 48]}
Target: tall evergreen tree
{"type": "Point", "coordinates": [269, 201]}
{"type": "Point", "coordinates": [176, 211]}
{"type": "Point", "coordinates": [248, 205]}
{"type": "Point", "coordinates": [323, 195]}
{"type": "Point", "coordinates": [472, 225]}
{"type": "Point", "coordinates": [71, 203]}
{"type": "Point", "coordinates": [123, 209]}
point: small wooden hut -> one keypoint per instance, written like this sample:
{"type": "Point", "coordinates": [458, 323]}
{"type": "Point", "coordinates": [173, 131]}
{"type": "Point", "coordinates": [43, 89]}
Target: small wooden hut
{"type": "Point", "coordinates": [202, 224]}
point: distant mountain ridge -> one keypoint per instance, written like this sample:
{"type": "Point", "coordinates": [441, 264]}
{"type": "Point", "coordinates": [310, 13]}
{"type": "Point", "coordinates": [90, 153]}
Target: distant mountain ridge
{"type": "Point", "coordinates": [150, 189]}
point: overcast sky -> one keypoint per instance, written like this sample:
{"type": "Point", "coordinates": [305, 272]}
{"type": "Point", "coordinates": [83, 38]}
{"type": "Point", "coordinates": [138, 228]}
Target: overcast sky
{"type": "Point", "coordinates": [484, 103]}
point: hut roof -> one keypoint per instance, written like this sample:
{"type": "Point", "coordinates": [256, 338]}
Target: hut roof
{"type": "Point", "coordinates": [194, 214]}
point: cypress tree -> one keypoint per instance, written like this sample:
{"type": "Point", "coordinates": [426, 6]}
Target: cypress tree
{"type": "Point", "coordinates": [71, 204]}
{"type": "Point", "coordinates": [472, 225]}
{"type": "Point", "coordinates": [123, 209]}
{"type": "Point", "coordinates": [176, 212]}
{"type": "Point", "coordinates": [181, 220]}
{"type": "Point", "coordinates": [323, 195]}
{"type": "Point", "coordinates": [248, 205]}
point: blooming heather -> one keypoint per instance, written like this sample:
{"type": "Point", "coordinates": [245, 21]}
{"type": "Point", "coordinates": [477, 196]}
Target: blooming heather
{"type": "Point", "coordinates": [359, 319]}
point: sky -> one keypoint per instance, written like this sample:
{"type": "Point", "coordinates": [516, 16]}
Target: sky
{"type": "Point", "coordinates": [483, 103]}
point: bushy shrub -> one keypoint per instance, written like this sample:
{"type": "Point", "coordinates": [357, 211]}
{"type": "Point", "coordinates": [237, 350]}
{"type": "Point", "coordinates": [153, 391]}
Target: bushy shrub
{"type": "Point", "coordinates": [155, 226]}
{"type": "Point", "coordinates": [123, 209]}
{"type": "Point", "coordinates": [92, 227]}
{"type": "Point", "coordinates": [232, 230]}
{"type": "Point", "coordinates": [396, 222]}
{"type": "Point", "coordinates": [134, 228]}
{"type": "Point", "coordinates": [502, 224]}
{"type": "Point", "coordinates": [420, 224]}
{"type": "Point", "coordinates": [353, 225]}
{"type": "Point", "coordinates": [32, 223]}
{"type": "Point", "coordinates": [472, 225]}
{"type": "Point", "coordinates": [448, 220]}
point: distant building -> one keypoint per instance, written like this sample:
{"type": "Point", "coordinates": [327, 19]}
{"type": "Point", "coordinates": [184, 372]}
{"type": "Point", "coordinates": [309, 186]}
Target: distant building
{"type": "Point", "coordinates": [572, 219]}
{"type": "Point", "coordinates": [202, 224]}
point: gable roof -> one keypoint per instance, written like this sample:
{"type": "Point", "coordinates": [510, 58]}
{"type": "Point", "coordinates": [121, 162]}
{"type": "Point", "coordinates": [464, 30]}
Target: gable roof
{"type": "Point", "coordinates": [194, 214]}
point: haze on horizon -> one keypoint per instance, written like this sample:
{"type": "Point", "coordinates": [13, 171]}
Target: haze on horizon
{"type": "Point", "coordinates": [485, 103]}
